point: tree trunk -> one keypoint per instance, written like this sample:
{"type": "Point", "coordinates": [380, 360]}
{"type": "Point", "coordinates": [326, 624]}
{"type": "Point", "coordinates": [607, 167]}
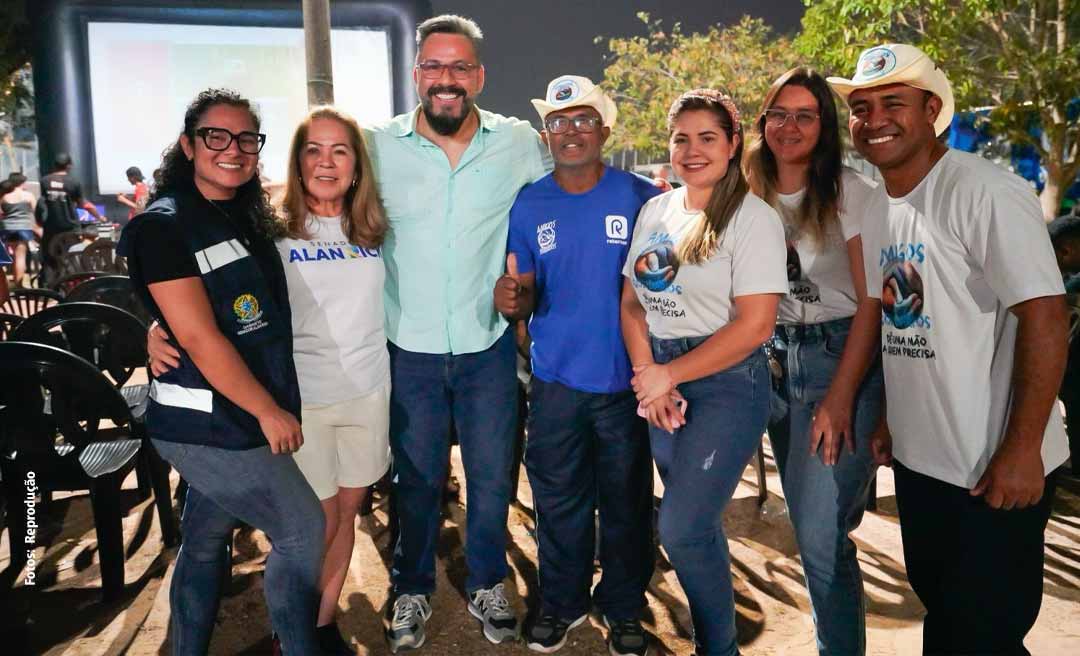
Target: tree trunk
{"type": "Point", "coordinates": [1051, 195]}
{"type": "Point", "coordinates": [320, 74]}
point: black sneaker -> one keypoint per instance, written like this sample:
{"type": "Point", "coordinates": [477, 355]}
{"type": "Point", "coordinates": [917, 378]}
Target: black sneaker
{"type": "Point", "coordinates": [407, 617]}
{"type": "Point", "coordinates": [626, 638]}
{"type": "Point", "coordinates": [491, 607]}
{"type": "Point", "coordinates": [330, 641]}
{"type": "Point", "coordinates": [547, 633]}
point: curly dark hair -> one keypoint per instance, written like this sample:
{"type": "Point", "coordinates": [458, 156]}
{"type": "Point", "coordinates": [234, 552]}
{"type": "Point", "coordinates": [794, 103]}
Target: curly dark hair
{"type": "Point", "coordinates": [177, 172]}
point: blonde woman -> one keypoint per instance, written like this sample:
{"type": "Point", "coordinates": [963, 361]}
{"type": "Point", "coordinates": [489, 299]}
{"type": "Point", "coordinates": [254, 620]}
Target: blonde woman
{"type": "Point", "coordinates": [333, 228]}
{"type": "Point", "coordinates": [704, 275]}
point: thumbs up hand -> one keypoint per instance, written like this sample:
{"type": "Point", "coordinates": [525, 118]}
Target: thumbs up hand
{"type": "Point", "coordinates": [508, 290]}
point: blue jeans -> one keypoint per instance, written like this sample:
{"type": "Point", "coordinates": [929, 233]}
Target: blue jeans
{"type": "Point", "coordinates": [701, 465]}
{"type": "Point", "coordinates": [476, 393]}
{"type": "Point", "coordinates": [825, 503]}
{"type": "Point", "coordinates": [263, 490]}
{"type": "Point", "coordinates": [587, 452]}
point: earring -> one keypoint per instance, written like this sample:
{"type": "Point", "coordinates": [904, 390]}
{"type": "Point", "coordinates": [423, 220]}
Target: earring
{"type": "Point", "coordinates": [354, 182]}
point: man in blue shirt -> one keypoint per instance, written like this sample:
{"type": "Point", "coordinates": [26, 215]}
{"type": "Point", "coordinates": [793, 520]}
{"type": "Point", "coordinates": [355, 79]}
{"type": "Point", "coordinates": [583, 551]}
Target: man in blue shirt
{"type": "Point", "coordinates": [587, 448]}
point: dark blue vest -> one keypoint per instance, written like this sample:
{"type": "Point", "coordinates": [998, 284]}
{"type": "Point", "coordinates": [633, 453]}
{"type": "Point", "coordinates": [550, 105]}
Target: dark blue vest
{"type": "Point", "coordinates": [246, 287]}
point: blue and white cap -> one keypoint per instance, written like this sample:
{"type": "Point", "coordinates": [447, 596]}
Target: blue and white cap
{"type": "Point", "coordinates": [576, 91]}
{"type": "Point", "coordinates": [898, 63]}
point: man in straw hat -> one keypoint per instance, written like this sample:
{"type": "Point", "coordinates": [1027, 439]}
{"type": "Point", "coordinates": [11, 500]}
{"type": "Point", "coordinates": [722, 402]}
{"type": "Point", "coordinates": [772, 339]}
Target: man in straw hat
{"type": "Point", "coordinates": [587, 448]}
{"type": "Point", "coordinates": [973, 341]}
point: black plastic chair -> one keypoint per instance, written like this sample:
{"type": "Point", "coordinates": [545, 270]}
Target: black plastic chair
{"type": "Point", "coordinates": [60, 261]}
{"type": "Point", "coordinates": [8, 322]}
{"type": "Point", "coordinates": [72, 280]}
{"type": "Point", "coordinates": [100, 255]}
{"type": "Point", "coordinates": [26, 302]}
{"type": "Point", "coordinates": [54, 405]}
{"type": "Point", "coordinates": [114, 290]}
{"type": "Point", "coordinates": [114, 341]}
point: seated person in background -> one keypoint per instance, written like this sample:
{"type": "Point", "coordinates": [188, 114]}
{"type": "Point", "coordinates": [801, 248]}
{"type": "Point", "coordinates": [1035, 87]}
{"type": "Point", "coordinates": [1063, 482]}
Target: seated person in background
{"type": "Point", "coordinates": [88, 236]}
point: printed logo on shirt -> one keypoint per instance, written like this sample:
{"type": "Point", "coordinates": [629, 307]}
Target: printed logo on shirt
{"type": "Point", "coordinates": [319, 251]}
{"type": "Point", "coordinates": [248, 313]}
{"type": "Point", "coordinates": [545, 236]}
{"type": "Point", "coordinates": [616, 228]}
{"type": "Point", "coordinates": [801, 288]}
{"type": "Point", "coordinates": [656, 267]}
{"type": "Point", "coordinates": [903, 301]}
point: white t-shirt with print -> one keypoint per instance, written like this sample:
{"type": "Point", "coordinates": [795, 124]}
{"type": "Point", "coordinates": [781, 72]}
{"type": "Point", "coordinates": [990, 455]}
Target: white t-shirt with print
{"type": "Point", "coordinates": [819, 276]}
{"type": "Point", "coordinates": [682, 300]}
{"type": "Point", "coordinates": [336, 294]}
{"type": "Point", "coordinates": [947, 262]}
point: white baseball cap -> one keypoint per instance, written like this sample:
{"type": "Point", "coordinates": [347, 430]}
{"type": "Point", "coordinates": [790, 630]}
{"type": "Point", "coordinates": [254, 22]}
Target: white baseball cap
{"type": "Point", "coordinates": [576, 91]}
{"type": "Point", "coordinates": [898, 63]}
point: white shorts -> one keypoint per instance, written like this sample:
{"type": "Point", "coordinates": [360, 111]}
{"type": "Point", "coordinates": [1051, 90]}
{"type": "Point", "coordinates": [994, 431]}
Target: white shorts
{"type": "Point", "coordinates": [346, 444]}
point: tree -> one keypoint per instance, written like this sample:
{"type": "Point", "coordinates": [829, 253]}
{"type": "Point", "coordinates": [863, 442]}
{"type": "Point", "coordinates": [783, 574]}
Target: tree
{"type": "Point", "coordinates": [16, 85]}
{"type": "Point", "coordinates": [1019, 57]}
{"type": "Point", "coordinates": [645, 74]}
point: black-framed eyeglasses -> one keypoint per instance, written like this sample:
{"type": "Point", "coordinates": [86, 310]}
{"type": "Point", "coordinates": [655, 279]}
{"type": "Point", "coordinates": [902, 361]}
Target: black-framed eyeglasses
{"type": "Point", "coordinates": [778, 118]}
{"type": "Point", "coordinates": [220, 138]}
{"type": "Point", "coordinates": [561, 124]}
{"type": "Point", "coordinates": [432, 70]}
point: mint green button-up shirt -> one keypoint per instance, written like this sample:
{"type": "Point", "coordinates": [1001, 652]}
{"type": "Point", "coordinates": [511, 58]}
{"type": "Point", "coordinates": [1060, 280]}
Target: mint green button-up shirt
{"type": "Point", "coordinates": [447, 240]}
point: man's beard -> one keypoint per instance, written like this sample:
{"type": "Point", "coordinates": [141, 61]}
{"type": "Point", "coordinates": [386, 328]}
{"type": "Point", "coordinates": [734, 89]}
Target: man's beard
{"type": "Point", "coordinates": [445, 124]}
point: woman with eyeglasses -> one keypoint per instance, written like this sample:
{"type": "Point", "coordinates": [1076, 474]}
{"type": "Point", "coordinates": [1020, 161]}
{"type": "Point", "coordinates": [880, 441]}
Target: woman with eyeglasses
{"type": "Point", "coordinates": [828, 375]}
{"type": "Point", "coordinates": [704, 275]}
{"type": "Point", "coordinates": [203, 258]}
{"type": "Point", "coordinates": [333, 227]}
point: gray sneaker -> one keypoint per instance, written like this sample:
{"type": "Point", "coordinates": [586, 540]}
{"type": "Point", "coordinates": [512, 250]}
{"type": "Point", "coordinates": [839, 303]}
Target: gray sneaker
{"type": "Point", "coordinates": [406, 622]}
{"type": "Point", "coordinates": [491, 607]}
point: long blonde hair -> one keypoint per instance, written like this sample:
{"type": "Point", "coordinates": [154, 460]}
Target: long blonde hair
{"type": "Point", "coordinates": [820, 205]}
{"type": "Point", "coordinates": [729, 191]}
{"type": "Point", "coordinates": [363, 221]}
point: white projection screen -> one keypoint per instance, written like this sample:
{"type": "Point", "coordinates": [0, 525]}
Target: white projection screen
{"type": "Point", "coordinates": [143, 75]}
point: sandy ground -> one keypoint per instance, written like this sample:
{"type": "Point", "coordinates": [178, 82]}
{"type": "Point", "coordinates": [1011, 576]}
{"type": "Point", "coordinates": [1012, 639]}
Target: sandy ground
{"type": "Point", "coordinates": [62, 614]}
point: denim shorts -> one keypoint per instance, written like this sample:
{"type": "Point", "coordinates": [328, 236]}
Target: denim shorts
{"type": "Point", "coordinates": [16, 235]}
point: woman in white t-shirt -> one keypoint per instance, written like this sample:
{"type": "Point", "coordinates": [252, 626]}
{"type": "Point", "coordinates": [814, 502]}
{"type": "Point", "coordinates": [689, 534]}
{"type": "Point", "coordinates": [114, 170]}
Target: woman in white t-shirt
{"type": "Point", "coordinates": [704, 276]}
{"type": "Point", "coordinates": [334, 226]}
{"type": "Point", "coordinates": [829, 379]}
{"type": "Point", "coordinates": [335, 274]}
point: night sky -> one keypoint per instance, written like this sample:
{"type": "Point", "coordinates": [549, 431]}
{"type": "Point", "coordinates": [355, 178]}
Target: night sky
{"type": "Point", "coordinates": [528, 43]}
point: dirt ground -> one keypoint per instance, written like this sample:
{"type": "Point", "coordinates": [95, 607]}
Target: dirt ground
{"type": "Point", "coordinates": [63, 613]}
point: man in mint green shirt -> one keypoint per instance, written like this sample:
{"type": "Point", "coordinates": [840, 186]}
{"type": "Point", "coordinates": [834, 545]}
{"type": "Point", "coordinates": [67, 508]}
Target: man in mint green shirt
{"type": "Point", "coordinates": [447, 174]}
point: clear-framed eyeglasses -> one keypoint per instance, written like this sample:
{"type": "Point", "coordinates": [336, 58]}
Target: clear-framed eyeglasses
{"type": "Point", "coordinates": [778, 118]}
{"type": "Point", "coordinates": [561, 124]}
{"type": "Point", "coordinates": [433, 70]}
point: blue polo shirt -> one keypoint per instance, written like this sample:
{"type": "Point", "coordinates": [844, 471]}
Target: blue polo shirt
{"type": "Point", "coordinates": [576, 245]}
